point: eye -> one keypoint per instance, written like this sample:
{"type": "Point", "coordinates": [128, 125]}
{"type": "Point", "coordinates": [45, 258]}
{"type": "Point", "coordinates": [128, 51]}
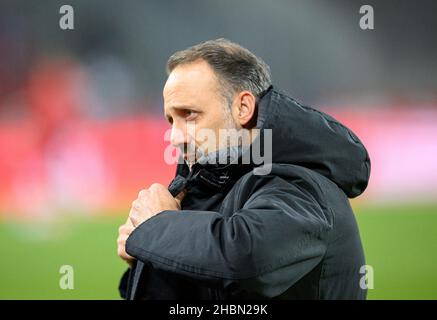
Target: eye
{"type": "Point", "coordinates": [190, 115]}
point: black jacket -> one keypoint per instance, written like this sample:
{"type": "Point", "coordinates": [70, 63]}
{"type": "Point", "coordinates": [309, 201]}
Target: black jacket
{"type": "Point", "coordinates": [290, 234]}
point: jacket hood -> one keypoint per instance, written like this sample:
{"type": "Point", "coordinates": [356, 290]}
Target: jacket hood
{"type": "Point", "coordinates": [312, 139]}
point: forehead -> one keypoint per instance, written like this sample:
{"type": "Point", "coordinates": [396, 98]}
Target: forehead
{"type": "Point", "coordinates": [189, 83]}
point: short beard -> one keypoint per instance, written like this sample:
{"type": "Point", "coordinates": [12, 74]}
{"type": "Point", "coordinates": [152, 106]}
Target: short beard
{"type": "Point", "coordinates": [229, 124]}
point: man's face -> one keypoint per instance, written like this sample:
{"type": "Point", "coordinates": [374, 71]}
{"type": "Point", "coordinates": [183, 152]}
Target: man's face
{"type": "Point", "coordinates": [193, 103]}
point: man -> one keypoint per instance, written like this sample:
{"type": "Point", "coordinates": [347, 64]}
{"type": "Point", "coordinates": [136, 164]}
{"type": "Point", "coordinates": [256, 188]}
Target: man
{"type": "Point", "coordinates": [227, 231]}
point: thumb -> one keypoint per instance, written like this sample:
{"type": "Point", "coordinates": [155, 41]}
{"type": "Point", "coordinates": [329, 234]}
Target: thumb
{"type": "Point", "coordinates": [180, 197]}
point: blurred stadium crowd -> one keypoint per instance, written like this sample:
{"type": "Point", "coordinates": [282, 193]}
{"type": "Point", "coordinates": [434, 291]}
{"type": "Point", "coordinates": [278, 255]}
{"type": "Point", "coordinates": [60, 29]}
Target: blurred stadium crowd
{"type": "Point", "coordinates": [81, 126]}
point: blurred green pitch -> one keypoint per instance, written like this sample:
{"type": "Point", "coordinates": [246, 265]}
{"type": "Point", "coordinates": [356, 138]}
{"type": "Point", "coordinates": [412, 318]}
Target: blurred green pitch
{"type": "Point", "coordinates": [400, 244]}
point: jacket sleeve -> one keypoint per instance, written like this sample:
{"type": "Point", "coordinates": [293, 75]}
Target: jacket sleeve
{"type": "Point", "coordinates": [280, 227]}
{"type": "Point", "coordinates": [123, 286]}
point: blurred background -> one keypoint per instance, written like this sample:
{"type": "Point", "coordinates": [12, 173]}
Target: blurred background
{"type": "Point", "coordinates": [82, 127]}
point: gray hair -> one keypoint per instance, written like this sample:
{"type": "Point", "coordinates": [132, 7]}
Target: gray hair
{"type": "Point", "coordinates": [236, 68]}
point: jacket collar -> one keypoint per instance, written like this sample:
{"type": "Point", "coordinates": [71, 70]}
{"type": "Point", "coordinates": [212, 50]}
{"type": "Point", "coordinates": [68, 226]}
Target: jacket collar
{"type": "Point", "coordinates": [215, 177]}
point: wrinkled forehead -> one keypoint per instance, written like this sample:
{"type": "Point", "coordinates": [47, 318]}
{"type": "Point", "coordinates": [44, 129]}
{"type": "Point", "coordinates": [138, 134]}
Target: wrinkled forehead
{"type": "Point", "coordinates": [190, 83]}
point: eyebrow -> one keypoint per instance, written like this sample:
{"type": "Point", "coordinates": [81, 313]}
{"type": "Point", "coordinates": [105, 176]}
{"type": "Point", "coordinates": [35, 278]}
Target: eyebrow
{"type": "Point", "coordinates": [183, 106]}
{"type": "Point", "coordinates": [180, 107]}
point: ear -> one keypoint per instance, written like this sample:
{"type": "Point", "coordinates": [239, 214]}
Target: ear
{"type": "Point", "coordinates": [244, 110]}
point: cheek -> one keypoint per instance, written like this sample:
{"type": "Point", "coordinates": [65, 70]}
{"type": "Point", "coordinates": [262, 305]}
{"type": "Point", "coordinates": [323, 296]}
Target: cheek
{"type": "Point", "coordinates": [207, 135]}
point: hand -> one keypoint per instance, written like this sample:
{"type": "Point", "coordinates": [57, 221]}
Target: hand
{"type": "Point", "coordinates": [152, 201]}
{"type": "Point", "coordinates": [123, 233]}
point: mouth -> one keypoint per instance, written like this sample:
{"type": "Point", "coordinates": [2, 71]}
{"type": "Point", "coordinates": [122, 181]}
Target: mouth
{"type": "Point", "coordinates": [189, 156]}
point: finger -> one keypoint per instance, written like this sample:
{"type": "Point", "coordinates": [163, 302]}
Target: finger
{"type": "Point", "coordinates": [180, 196]}
{"type": "Point", "coordinates": [136, 204]}
{"type": "Point", "coordinates": [125, 227]}
{"type": "Point", "coordinates": [129, 223]}
{"type": "Point", "coordinates": [121, 243]}
{"type": "Point", "coordinates": [157, 186]}
{"type": "Point", "coordinates": [133, 221]}
{"type": "Point", "coordinates": [122, 254]}
{"type": "Point", "coordinates": [132, 205]}
{"type": "Point", "coordinates": [142, 193]}
{"type": "Point", "coordinates": [157, 189]}
{"type": "Point", "coordinates": [121, 230]}
{"type": "Point", "coordinates": [125, 233]}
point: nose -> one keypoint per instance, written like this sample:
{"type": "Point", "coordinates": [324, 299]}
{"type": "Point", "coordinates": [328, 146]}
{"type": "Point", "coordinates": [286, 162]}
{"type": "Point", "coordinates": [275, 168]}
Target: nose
{"type": "Point", "coordinates": [178, 136]}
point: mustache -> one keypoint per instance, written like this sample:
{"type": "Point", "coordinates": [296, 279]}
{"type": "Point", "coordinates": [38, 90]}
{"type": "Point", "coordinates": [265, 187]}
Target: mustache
{"type": "Point", "coordinates": [187, 148]}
